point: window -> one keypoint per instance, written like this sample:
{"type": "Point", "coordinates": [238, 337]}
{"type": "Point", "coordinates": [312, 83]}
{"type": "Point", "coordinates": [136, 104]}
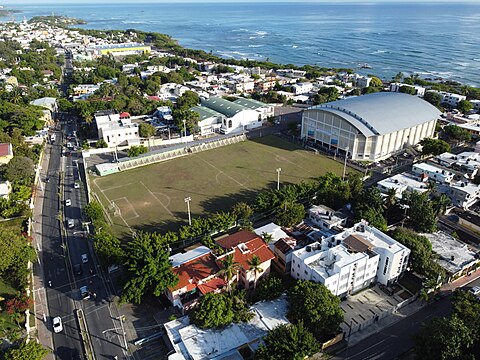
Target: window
{"type": "Point", "coordinates": [306, 272]}
{"type": "Point", "coordinates": [386, 266]}
{"type": "Point", "coordinates": [229, 123]}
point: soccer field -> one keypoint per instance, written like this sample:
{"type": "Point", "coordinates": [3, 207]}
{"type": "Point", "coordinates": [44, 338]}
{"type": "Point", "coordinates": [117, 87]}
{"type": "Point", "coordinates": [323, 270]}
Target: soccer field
{"type": "Point", "coordinates": [152, 197]}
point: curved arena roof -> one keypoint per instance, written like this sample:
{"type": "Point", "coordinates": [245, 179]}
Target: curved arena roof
{"type": "Point", "coordinates": [382, 113]}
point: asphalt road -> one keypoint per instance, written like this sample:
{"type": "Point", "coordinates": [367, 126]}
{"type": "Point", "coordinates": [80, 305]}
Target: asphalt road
{"type": "Point", "coordinates": [397, 339]}
{"type": "Point", "coordinates": [104, 327]}
{"type": "Point", "coordinates": [56, 266]}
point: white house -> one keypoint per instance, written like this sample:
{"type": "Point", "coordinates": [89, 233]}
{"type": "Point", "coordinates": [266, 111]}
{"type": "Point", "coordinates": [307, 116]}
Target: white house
{"type": "Point", "coordinates": [450, 98]}
{"type": "Point", "coordinates": [352, 260]}
{"type": "Point", "coordinates": [302, 88]}
{"type": "Point", "coordinates": [463, 194]}
{"type": "Point", "coordinates": [401, 183]}
{"type": "Point", "coordinates": [419, 90]}
{"type": "Point", "coordinates": [326, 218]}
{"type": "Point", "coordinates": [265, 110]}
{"type": "Point", "coordinates": [210, 121]}
{"type": "Point", "coordinates": [433, 172]}
{"type": "Point", "coordinates": [363, 81]}
{"type": "Point", "coordinates": [115, 130]}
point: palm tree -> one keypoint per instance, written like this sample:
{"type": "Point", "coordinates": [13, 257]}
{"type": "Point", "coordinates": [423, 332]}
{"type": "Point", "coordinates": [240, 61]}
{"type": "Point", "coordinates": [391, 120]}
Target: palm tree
{"type": "Point", "coordinates": [229, 270]}
{"type": "Point", "coordinates": [254, 265]}
{"type": "Point", "coordinates": [267, 237]}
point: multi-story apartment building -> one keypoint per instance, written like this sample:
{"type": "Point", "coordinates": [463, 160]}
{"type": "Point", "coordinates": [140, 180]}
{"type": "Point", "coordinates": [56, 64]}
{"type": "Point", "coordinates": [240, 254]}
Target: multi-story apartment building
{"type": "Point", "coordinates": [352, 260]}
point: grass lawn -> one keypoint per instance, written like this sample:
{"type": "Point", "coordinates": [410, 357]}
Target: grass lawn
{"type": "Point", "coordinates": [152, 197]}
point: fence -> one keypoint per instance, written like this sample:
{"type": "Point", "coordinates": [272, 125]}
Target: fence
{"type": "Point", "coordinates": [178, 151]}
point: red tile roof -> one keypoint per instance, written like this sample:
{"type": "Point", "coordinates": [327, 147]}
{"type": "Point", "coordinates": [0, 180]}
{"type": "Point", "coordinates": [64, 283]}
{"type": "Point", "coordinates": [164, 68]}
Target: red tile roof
{"type": "Point", "coordinates": [250, 249]}
{"type": "Point", "coordinates": [6, 149]}
{"type": "Point", "coordinates": [212, 285]}
{"type": "Point", "coordinates": [190, 273]}
{"type": "Point", "coordinates": [233, 240]}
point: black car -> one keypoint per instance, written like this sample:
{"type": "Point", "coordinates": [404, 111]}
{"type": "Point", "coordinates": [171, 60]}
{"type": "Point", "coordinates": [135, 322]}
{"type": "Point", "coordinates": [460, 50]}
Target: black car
{"type": "Point", "coordinates": [78, 269]}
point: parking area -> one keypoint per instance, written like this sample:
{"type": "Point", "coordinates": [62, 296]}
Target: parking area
{"type": "Point", "coordinates": [369, 306]}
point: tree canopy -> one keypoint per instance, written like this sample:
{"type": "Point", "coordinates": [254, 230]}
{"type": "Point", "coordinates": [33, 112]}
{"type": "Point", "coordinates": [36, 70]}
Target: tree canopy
{"type": "Point", "coordinates": [293, 342]}
{"type": "Point", "coordinates": [19, 170]}
{"type": "Point", "coordinates": [434, 146]}
{"type": "Point", "coordinates": [26, 351]}
{"type": "Point", "coordinates": [455, 132]}
{"type": "Point", "coordinates": [464, 106]}
{"type": "Point", "coordinates": [213, 311]}
{"type": "Point", "coordinates": [148, 266]}
{"type": "Point", "coordinates": [316, 306]}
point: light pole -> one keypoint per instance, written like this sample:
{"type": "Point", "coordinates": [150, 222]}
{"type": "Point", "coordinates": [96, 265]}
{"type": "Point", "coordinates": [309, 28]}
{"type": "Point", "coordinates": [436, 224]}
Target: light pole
{"type": "Point", "coordinates": [185, 127]}
{"type": "Point", "coordinates": [187, 200]}
{"type": "Point", "coordinates": [345, 163]}
{"type": "Point", "coordinates": [278, 178]}
{"type": "Point", "coordinates": [406, 207]}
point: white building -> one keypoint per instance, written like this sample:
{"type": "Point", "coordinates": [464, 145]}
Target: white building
{"type": "Point", "coordinates": [463, 194]}
{"type": "Point", "coordinates": [371, 127]}
{"type": "Point", "coordinates": [352, 260]}
{"type": "Point", "coordinates": [476, 104]}
{"type": "Point", "coordinates": [265, 110]}
{"type": "Point", "coordinates": [363, 81]}
{"type": "Point", "coordinates": [419, 90]}
{"type": "Point", "coordinates": [210, 121]}
{"type": "Point", "coordinates": [433, 172]}
{"type": "Point", "coordinates": [326, 218]}
{"type": "Point", "coordinates": [302, 88]}
{"type": "Point", "coordinates": [114, 130]}
{"type": "Point", "coordinates": [236, 117]}
{"type": "Point", "coordinates": [401, 183]}
{"type": "Point", "coordinates": [450, 98]}
{"type": "Point", "coordinates": [5, 189]}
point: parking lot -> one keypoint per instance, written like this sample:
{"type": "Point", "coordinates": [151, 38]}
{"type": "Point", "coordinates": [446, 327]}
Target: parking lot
{"type": "Point", "coordinates": [371, 305]}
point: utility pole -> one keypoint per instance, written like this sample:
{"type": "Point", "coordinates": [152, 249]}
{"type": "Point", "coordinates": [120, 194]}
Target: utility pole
{"type": "Point", "coordinates": [187, 200]}
{"type": "Point", "coordinates": [278, 178]}
{"type": "Point", "coordinates": [345, 164]}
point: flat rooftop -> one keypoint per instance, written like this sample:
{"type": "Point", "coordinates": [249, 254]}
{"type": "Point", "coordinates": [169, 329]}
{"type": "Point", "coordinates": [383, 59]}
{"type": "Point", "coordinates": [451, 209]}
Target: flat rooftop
{"type": "Point", "coordinates": [454, 255]}
{"type": "Point", "coordinates": [197, 344]}
{"type": "Point", "coordinates": [432, 168]}
{"type": "Point", "coordinates": [401, 181]}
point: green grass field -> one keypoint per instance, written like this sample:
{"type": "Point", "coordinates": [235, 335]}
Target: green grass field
{"type": "Point", "coordinates": [152, 197]}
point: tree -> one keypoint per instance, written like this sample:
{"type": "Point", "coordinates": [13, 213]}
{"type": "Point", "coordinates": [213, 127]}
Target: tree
{"type": "Point", "coordinates": [467, 308]}
{"type": "Point", "coordinates": [422, 214]}
{"type": "Point", "coordinates": [290, 214]}
{"type": "Point", "coordinates": [269, 288]}
{"type": "Point", "coordinates": [213, 311]}
{"type": "Point", "coordinates": [443, 339]}
{"type": "Point", "coordinates": [420, 247]}
{"type": "Point", "coordinates": [316, 306]}
{"type": "Point", "coordinates": [188, 99]}
{"type": "Point", "coordinates": [19, 170]}
{"type": "Point", "coordinates": [464, 106]}
{"type": "Point", "coordinates": [146, 130]}
{"type": "Point", "coordinates": [254, 265]}
{"type": "Point", "coordinates": [107, 246]}
{"type": "Point", "coordinates": [148, 265]}
{"type": "Point", "coordinates": [433, 98]}
{"type": "Point", "coordinates": [376, 82]}
{"type": "Point", "coordinates": [229, 270]}
{"type": "Point", "coordinates": [94, 211]}
{"type": "Point", "coordinates": [101, 144]}
{"type": "Point", "coordinates": [26, 351]}
{"type": "Point", "coordinates": [455, 132]}
{"type": "Point", "coordinates": [407, 90]}
{"type": "Point", "coordinates": [242, 211]}
{"type": "Point", "coordinates": [293, 342]}
{"type": "Point", "coordinates": [135, 150]}
{"type": "Point", "coordinates": [434, 146]}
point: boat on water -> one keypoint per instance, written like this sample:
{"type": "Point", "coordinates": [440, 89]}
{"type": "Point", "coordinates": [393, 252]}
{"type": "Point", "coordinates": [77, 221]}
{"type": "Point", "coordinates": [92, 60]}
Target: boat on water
{"type": "Point", "coordinates": [365, 66]}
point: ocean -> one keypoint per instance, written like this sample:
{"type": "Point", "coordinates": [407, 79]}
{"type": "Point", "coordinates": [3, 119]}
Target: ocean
{"type": "Point", "coordinates": [432, 40]}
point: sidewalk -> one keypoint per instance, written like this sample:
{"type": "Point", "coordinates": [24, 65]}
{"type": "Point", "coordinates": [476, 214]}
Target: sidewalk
{"type": "Point", "coordinates": [42, 317]}
{"type": "Point", "coordinates": [408, 310]}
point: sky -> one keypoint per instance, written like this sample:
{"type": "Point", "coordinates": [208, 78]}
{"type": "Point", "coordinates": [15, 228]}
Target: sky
{"type": "Point", "coordinates": [42, 2]}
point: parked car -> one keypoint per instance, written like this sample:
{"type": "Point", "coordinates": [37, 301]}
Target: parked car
{"type": "Point", "coordinates": [57, 324]}
{"type": "Point", "coordinates": [68, 202]}
{"type": "Point", "coordinates": [85, 293]}
{"type": "Point", "coordinates": [76, 185]}
{"type": "Point", "coordinates": [84, 258]}
{"type": "Point", "coordinates": [475, 290]}
{"type": "Point", "coordinates": [78, 269]}
{"type": "Point", "coordinates": [70, 223]}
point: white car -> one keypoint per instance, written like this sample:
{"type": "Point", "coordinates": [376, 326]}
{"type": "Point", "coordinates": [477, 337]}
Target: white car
{"type": "Point", "coordinates": [76, 185]}
{"type": "Point", "coordinates": [475, 290]}
{"type": "Point", "coordinates": [70, 223]}
{"type": "Point", "coordinates": [68, 202]}
{"type": "Point", "coordinates": [57, 324]}
{"type": "Point", "coordinates": [85, 293]}
{"type": "Point", "coordinates": [84, 258]}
